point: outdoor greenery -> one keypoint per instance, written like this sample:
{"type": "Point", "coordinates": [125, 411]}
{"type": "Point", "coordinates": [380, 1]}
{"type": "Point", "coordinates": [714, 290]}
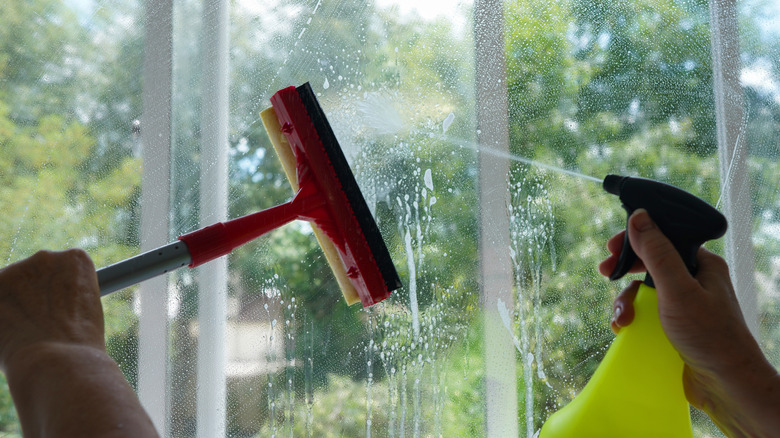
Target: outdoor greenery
{"type": "Point", "coordinates": [594, 87]}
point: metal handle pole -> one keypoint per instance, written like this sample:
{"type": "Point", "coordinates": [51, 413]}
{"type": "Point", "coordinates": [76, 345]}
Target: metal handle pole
{"type": "Point", "coordinates": [143, 267]}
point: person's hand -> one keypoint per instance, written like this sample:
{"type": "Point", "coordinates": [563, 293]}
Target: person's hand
{"type": "Point", "coordinates": [623, 306]}
{"type": "Point", "coordinates": [725, 371]}
{"type": "Point", "coordinates": [52, 352]}
{"type": "Point", "coordinates": [49, 299]}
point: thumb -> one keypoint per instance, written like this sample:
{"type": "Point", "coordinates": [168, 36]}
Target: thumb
{"type": "Point", "coordinates": [659, 256]}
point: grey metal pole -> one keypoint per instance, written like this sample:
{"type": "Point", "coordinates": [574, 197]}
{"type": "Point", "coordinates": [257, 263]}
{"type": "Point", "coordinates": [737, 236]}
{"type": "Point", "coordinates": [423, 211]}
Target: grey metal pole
{"type": "Point", "coordinates": [150, 264]}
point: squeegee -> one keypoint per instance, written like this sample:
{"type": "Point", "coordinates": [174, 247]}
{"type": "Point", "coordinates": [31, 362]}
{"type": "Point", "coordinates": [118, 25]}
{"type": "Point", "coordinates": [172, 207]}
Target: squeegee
{"type": "Point", "coordinates": [326, 194]}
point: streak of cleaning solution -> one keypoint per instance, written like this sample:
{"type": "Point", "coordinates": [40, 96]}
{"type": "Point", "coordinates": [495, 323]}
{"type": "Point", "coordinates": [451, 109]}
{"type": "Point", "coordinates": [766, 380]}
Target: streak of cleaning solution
{"type": "Point", "coordinates": [308, 375]}
{"type": "Point", "coordinates": [18, 232]}
{"type": "Point", "coordinates": [284, 62]}
{"type": "Point", "coordinates": [271, 392]}
{"type": "Point", "coordinates": [388, 357]}
{"type": "Point", "coordinates": [414, 220]}
{"type": "Point", "coordinates": [412, 284]}
{"type": "Point", "coordinates": [418, 395]}
{"type": "Point", "coordinates": [404, 395]}
{"type": "Point", "coordinates": [289, 329]}
{"type": "Point", "coordinates": [410, 211]}
{"type": "Point", "coordinates": [482, 149]}
{"type": "Point", "coordinates": [447, 122]}
{"type": "Point", "coordinates": [369, 376]}
{"type": "Point", "coordinates": [503, 313]}
{"type": "Point", "coordinates": [531, 224]}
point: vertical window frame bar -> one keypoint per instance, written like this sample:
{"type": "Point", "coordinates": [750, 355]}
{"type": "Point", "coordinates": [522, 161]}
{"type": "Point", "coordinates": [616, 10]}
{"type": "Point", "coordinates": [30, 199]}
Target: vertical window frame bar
{"type": "Point", "coordinates": [494, 241]}
{"type": "Point", "coordinates": [212, 277]}
{"type": "Point", "coordinates": [730, 120]}
{"type": "Point", "coordinates": [156, 132]}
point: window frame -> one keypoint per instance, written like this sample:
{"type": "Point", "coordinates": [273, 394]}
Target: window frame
{"type": "Point", "coordinates": [730, 122]}
{"type": "Point", "coordinates": [156, 135]}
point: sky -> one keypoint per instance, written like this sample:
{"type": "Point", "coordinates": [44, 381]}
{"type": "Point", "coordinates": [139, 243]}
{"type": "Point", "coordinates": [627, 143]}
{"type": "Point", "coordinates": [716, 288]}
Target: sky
{"type": "Point", "coordinates": [431, 9]}
{"type": "Point", "coordinates": [428, 9]}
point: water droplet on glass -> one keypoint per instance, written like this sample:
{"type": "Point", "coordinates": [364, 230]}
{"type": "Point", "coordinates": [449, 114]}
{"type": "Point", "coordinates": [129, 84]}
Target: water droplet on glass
{"type": "Point", "coordinates": [447, 122]}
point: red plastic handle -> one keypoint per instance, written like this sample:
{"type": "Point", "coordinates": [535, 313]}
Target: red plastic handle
{"type": "Point", "coordinates": [216, 240]}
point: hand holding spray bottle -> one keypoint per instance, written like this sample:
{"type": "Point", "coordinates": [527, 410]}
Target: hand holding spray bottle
{"type": "Point", "coordinates": [637, 390]}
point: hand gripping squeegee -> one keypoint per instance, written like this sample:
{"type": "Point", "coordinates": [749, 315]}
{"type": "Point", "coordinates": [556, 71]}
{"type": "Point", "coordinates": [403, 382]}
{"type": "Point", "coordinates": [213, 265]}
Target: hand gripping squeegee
{"type": "Point", "coordinates": [326, 195]}
{"type": "Point", "coordinates": [637, 389]}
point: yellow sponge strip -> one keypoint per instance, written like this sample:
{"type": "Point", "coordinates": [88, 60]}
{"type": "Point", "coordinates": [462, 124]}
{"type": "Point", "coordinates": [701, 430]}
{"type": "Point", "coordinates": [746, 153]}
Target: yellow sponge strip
{"type": "Point", "coordinates": [286, 157]}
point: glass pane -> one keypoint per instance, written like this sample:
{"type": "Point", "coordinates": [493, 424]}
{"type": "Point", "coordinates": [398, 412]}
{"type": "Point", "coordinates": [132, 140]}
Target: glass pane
{"type": "Point", "coordinates": [593, 88]}
{"type": "Point", "coordinates": [760, 78]}
{"type": "Point", "coordinates": [397, 89]}
{"type": "Point", "coordinates": [598, 88]}
{"type": "Point", "coordinates": [70, 166]}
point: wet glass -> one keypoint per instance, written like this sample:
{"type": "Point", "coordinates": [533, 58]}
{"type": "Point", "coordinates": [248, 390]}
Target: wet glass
{"type": "Point", "coordinates": [585, 90]}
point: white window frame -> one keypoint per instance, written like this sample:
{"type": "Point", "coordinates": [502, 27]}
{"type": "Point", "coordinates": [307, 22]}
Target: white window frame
{"type": "Point", "coordinates": [156, 130]}
{"type": "Point", "coordinates": [730, 120]}
{"type": "Point", "coordinates": [153, 380]}
{"type": "Point", "coordinates": [212, 277]}
{"type": "Point", "coordinates": [494, 242]}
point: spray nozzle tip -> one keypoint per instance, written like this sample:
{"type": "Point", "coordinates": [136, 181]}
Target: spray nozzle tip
{"type": "Point", "coordinates": [613, 183]}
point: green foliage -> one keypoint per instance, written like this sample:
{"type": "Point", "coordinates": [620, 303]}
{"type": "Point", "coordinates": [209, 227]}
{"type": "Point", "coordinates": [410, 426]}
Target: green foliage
{"type": "Point", "coordinates": [52, 194]}
{"type": "Point", "coordinates": [652, 64]}
{"type": "Point", "coordinates": [450, 401]}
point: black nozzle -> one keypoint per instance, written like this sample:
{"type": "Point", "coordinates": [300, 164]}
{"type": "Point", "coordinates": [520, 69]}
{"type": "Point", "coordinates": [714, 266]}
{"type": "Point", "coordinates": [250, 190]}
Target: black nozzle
{"type": "Point", "coordinates": [612, 183]}
{"type": "Point", "coordinates": [685, 219]}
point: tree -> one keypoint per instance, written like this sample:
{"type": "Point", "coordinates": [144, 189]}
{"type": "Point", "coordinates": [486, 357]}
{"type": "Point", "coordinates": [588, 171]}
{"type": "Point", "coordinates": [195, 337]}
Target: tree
{"type": "Point", "coordinates": [55, 190]}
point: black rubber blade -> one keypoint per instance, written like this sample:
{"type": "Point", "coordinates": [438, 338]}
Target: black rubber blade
{"type": "Point", "coordinates": [350, 188]}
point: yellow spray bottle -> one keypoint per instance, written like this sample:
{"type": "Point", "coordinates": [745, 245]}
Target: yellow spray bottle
{"type": "Point", "coordinates": [637, 389]}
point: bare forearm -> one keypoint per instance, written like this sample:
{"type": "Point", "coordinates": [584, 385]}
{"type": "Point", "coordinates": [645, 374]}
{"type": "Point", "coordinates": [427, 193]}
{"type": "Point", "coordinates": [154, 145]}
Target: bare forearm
{"type": "Point", "coordinates": [66, 390]}
{"type": "Point", "coordinates": [745, 402]}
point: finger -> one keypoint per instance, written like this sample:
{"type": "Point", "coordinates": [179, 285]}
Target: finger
{"type": "Point", "coordinates": [615, 243]}
{"type": "Point", "coordinates": [711, 264]}
{"type": "Point", "coordinates": [659, 256]}
{"type": "Point", "coordinates": [713, 274]}
{"type": "Point", "coordinates": [615, 246]}
{"type": "Point", "coordinates": [83, 267]}
{"type": "Point", "coordinates": [607, 267]}
{"type": "Point", "coordinates": [623, 307]}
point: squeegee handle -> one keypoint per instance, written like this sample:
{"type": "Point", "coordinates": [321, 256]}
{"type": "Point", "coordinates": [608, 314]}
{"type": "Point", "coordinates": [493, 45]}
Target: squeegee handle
{"type": "Point", "coordinates": [142, 267]}
{"type": "Point", "coordinates": [206, 244]}
{"type": "Point", "coordinates": [221, 238]}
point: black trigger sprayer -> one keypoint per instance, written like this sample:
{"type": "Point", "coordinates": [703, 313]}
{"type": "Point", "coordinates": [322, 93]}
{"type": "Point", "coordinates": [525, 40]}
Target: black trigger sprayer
{"type": "Point", "coordinates": [637, 389]}
{"type": "Point", "coordinates": [685, 219]}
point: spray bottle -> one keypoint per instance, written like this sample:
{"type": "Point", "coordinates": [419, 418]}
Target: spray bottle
{"type": "Point", "coordinates": [637, 389]}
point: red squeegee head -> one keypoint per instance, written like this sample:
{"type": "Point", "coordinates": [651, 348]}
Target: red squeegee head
{"type": "Point", "coordinates": [344, 217]}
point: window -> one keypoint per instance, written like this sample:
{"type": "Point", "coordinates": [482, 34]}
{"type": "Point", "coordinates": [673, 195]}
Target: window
{"type": "Point", "coordinates": [475, 131]}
